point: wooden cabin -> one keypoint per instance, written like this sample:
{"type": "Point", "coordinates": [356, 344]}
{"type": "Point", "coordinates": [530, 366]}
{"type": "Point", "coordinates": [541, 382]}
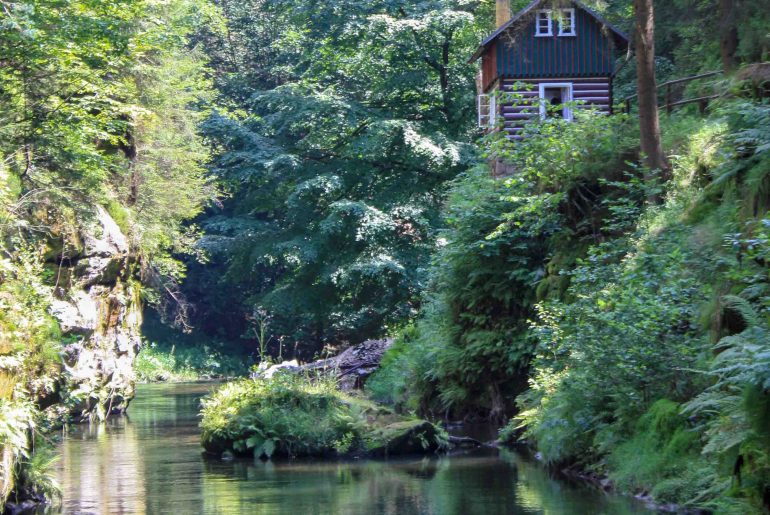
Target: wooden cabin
{"type": "Point", "coordinates": [560, 49]}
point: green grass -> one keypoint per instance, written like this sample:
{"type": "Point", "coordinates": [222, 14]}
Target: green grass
{"type": "Point", "coordinates": [288, 415]}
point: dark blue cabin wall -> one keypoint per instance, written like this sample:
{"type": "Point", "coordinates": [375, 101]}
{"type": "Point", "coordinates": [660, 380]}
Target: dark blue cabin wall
{"type": "Point", "coordinates": [590, 53]}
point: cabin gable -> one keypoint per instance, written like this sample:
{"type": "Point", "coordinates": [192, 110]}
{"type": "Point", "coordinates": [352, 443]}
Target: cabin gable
{"type": "Point", "coordinates": [517, 49]}
{"type": "Point", "coordinates": [489, 67]}
{"type": "Point", "coordinates": [523, 54]}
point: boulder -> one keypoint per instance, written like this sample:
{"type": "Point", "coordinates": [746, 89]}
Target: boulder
{"type": "Point", "coordinates": [267, 371]}
{"type": "Point", "coordinates": [352, 366]}
{"type": "Point", "coordinates": [757, 78]}
{"type": "Point", "coordinates": [405, 437]}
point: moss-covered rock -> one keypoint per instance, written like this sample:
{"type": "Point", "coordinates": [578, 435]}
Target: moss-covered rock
{"type": "Point", "coordinates": [294, 415]}
{"type": "Point", "coordinates": [405, 437]}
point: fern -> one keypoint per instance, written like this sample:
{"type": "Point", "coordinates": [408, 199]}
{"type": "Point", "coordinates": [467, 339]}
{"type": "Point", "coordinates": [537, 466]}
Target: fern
{"type": "Point", "coordinates": [743, 308]}
{"type": "Point", "coordinates": [736, 409]}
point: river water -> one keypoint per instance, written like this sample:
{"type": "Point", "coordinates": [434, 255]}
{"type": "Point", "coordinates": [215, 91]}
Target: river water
{"type": "Point", "coordinates": [151, 462]}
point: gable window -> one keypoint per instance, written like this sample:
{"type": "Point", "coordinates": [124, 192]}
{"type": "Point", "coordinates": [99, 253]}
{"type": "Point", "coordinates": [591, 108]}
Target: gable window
{"type": "Point", "coordinates": [487, 111]}
{"type": "Point", "coordinates": [543, 24]}
{"type": "Point", "coordinates": [567, 22]}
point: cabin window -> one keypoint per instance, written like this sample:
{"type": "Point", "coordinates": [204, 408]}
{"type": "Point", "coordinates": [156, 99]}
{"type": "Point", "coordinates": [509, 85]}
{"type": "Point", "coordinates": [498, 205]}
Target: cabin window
{"type": "Point", "coordinates": [544, 24]}
{"type": "Point", "coordinates": [487, 111]}
{"type": "Point", "coordinates": [567, 22]}
{"type": "Point", "coordinates": [555, 99]}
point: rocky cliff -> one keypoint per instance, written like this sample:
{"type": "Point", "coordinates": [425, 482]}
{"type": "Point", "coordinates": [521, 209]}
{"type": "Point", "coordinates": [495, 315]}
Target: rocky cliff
{"type": "Point", "coordinates": [98, 308]}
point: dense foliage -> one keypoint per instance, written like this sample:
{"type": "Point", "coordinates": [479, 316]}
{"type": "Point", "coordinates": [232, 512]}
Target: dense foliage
{"type": "Point", "coordinates": [621, 303]}
{"type": "Point", "coordinates": [503, 249]}
{"type": "Point", "coordinates": [170, 355]}
{"type": "Point", "coordinates": [334, 146]}
{"type": "Point", "coordinates": [99, 106]}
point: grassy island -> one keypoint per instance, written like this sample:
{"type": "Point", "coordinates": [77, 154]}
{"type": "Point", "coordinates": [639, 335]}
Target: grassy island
{"type": "Point", "coordinates": [292, 415]}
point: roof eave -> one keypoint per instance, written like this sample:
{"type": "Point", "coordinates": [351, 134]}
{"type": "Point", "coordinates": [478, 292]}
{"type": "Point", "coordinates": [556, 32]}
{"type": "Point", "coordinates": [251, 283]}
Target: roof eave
{"type": "Point", "coordinates": [501, 29]}
{"type": "Point", "coordinates": [479, 51]}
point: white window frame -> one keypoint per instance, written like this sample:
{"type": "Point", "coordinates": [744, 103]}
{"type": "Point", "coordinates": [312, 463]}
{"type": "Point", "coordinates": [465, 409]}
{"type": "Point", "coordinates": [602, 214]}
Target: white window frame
{"type": "Point", "coordinates": [489, 119]}
{"type": "Point", "coordinates": [549, 15]}
{"type": "Point", "coordinates": [571, 31]}
{"type": "Point", "coordinates": [561, 85]}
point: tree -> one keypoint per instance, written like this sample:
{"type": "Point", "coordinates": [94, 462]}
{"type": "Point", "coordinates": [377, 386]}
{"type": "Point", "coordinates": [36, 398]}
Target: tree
{"type": "Point", "coordinates": [341, 138]}
{"type": "Point", "coordinates": [649, 123]}
{"type": "Point", "coordinates": [728, 34]}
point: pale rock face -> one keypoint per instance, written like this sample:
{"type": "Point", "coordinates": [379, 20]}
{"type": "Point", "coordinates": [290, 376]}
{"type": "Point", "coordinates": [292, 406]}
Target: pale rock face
{"type": "Point", "coordinates": [101, 307]}
{"type": "Point", "coordinates": [78, 314]}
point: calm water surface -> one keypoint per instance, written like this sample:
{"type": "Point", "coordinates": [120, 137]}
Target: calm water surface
{"type": "Point", "coordinates": [151, 462]}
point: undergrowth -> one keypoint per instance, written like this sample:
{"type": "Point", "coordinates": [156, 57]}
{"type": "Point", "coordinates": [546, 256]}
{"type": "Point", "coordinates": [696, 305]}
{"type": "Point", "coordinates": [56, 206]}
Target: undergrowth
{"type": "Point", "coordinates": [289, 415]}
{"type": "Point", "coordinates": [625, 380]}
{"type": "Point", "coordinates": [292, 415]}
{"type": "Point", "coordinates": [641, 326]}
{"type": "Point", "coordinates": [159, 363]}
{"type": "Point", "coordinates": [169, 355]}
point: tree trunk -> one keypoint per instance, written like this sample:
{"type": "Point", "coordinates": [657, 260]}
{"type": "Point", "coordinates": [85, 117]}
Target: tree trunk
{"type": "Point", "coordinates": [649, 124]}
{"type": "Point", "coordinates": [497, 407]}
{"type": "Point", "coordinates": [728, 34]}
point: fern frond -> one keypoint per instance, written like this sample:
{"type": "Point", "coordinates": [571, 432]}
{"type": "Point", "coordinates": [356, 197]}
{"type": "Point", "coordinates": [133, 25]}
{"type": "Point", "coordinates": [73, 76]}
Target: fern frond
{"type": "Point", "coordinates": [743, 308]}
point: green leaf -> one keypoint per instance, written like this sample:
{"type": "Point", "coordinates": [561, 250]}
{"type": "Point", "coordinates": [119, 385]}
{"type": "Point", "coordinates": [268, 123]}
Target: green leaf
{"type": "Point", "coordinates": [254, 442]}
{"type": "Point", "coordinates": [268, 448]}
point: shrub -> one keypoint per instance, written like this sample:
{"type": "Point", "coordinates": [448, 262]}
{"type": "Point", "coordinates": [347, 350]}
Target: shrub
{"type": "Point", "coordinates": [503, 250]}
{"type": "Point", "coordinates": [295, 415]}
{"type": "Point", "coordinates": [288, 415]}
{"type": "Point", "coordinates": [401, 380]}
{"type": "Point", "coordinates": [188, 363]}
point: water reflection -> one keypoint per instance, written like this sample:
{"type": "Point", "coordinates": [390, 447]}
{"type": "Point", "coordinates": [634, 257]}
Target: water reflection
{"type": "Point", "coordinates": [151, 462]}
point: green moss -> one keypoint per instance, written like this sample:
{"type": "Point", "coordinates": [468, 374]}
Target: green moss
{"type": "Point", "coordinates": [119, 214]}
{"type": "Point", "coordinates": [405, 437]}
{"type": "Point", "coordinates": [555, 284]}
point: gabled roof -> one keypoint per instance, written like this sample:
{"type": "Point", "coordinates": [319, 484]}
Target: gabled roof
{"type": "Point", "coordinates": [620, 37]}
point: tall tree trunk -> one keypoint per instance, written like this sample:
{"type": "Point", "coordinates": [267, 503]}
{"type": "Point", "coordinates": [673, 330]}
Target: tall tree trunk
{"type": "Point", "coordinates": [649, 122]}
{"type": "Point", "coordinates": [728, 34]}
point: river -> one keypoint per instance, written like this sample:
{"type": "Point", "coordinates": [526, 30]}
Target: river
{"type": "Point", "coordinates": [150, 462]}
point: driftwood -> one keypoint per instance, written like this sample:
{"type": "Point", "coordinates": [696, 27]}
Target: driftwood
{"type": "Point", "coordinates": [464, 441]}
{"type": "Point", "coordinates": [352, 366]}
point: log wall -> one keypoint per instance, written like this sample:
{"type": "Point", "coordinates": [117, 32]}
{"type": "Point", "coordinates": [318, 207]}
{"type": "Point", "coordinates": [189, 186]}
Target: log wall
{"type": "Point", "coordinates": [596, 92]}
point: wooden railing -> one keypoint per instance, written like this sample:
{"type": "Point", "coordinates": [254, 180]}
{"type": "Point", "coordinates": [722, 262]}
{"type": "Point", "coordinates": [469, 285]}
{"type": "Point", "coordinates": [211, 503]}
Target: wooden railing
{"type": "Point", "coordinates": [668, 88]}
